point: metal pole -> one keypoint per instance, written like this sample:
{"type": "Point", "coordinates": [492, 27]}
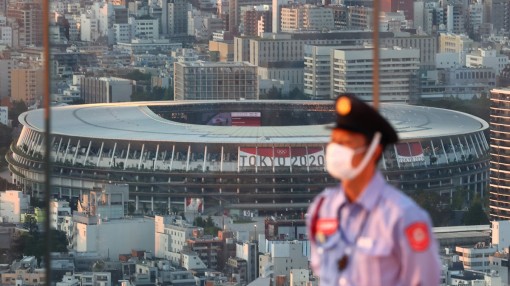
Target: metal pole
{"type": "Point", "coordinates": [375, 39]}
{"type": "Point", "coordinates": [47, 134]}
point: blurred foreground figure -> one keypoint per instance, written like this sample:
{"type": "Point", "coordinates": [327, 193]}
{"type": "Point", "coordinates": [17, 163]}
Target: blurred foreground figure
{"type": "Point", "coordinates": [364, 231]}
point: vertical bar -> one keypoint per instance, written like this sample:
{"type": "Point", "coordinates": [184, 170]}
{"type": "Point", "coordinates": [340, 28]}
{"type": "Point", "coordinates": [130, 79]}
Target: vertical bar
{"type": "Point", "coordinates": [47, 134]}
{"type": "Point", "coordinates": [155, 158]}
{"type": "Point", "coordinates": [141, 157]}
{"type": "Point", "coordinates": [172, 159]}
{"type": "Point", "coordinates": [221, 163]}
{"type": "Point", "coordinates": [375, 39]}
{"type": "Point", "coordinates": [205, 158]}
{"type": "Point", "coordinates": [100, 154]}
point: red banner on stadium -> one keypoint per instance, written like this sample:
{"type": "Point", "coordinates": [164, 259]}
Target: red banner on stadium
{"type": "Point", "coordinates": [245, 118]}
{"type": "Point", "coordinates": [194, 205]}
{"type": "Point", "coordinates": [409, 152]}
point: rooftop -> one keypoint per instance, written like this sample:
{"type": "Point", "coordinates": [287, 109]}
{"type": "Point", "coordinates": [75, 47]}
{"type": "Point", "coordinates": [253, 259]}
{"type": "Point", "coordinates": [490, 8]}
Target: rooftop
{"type": "Point", "coordinates": [135, 121]}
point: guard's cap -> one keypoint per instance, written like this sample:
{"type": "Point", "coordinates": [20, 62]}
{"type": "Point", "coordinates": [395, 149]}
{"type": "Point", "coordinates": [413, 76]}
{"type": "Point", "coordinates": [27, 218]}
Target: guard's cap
{"type": "Point", "coordinates": [357, 116]}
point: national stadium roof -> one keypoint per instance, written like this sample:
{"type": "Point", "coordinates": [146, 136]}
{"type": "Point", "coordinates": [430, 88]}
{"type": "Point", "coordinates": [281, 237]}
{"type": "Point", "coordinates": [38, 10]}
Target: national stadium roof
{"type": "Point", "coordinates": [135, 121]}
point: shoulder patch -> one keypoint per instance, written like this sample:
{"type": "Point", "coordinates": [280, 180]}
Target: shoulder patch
{"type": "Point", "coordinates": [418, 236]}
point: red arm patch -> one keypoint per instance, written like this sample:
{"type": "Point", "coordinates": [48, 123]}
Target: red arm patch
{"type": "Point", "coordinates": [418, 236]}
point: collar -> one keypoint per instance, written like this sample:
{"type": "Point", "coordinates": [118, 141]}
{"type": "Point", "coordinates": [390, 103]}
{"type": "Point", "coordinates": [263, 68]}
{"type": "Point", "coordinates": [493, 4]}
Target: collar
{"type": "Point", "coordinates": [370, 195]}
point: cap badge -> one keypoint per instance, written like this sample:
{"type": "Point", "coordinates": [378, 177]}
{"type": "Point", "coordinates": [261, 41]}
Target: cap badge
{"type": "Point", "coordinates": [343, 106]}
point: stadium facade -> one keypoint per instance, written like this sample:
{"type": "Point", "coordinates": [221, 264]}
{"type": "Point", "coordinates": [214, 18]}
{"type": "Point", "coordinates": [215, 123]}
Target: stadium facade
{"type": "Point", "coordinates": [265, 156]}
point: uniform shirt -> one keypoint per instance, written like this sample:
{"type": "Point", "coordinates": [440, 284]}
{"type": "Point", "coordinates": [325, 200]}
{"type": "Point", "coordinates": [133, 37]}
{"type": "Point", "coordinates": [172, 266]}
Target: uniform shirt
{"type": "Point", "coordinates": [388, 234]}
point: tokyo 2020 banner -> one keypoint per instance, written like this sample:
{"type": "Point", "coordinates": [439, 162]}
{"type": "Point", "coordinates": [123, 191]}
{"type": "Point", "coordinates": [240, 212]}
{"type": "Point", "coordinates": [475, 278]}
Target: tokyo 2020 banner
{"type": "Point", "coordinates": [281, 157]}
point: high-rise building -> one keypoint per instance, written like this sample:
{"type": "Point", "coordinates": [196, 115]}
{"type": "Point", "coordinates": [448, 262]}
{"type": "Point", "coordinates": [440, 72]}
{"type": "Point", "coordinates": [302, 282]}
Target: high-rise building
{"type": "Point", "coordinates": [306, 17]}
{"type": "Point", "coordinates": [25, 85]}
{"type": "Point", "coordinates": [235, 17]}
{"type": "Point", "coordinates": [499, 200]}
{"type": "Point", "coordinates": [178, 17]}
{"type": "Point", "coordinates": [455, 18]}
{"type": "Point", "coordinates": [5, 77]}
{"type": "Point", "coordinates": [496, 13]}
{"type": "Point", "coordinates": [251, 21]}
{"type": "Point", "coordinates": [28, 19]}
{"type": "Point", "coordinates": [352, 72]}
{"type": "Point", "coordinates": [317, 74]}
{"type": "Point", "coordinates": [277, 16]}
{"type": "Point", "coordinates": [208, 80]}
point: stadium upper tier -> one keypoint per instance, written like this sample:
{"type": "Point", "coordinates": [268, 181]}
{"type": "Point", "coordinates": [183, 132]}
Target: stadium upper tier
{"type": "Point", "coordinates": [138, 121]}
{"type": "Point", "coordinates": [262, 155]}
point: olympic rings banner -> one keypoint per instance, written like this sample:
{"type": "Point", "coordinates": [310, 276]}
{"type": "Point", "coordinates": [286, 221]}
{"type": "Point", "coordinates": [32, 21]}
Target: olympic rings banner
{"type": "Point", "coordinates": [281, 156]}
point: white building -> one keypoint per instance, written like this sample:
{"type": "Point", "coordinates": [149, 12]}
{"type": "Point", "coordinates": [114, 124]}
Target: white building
{"type": "Point", "coordinates": [248, 251]}
{"type": "Point", "coordinates": [4, 115]}
{"type": "Point", "coordinates": [281, 258]}
{"type": "Point", "coordinates": [171, 235]}
{"type": "Point", "coordinates": [449, 60]}
{"type": "Point", "coordinates": [89, 27]}
{"type": "Point", "coordinates": [487, 58]}
{"type": "Point", "coordinates": [59, 210]}
{"type": "Point", "coordinates": [191, 261]}
{"type": "Point", "coordinates": [501, 234]}
{"type": "Point", "coordinates": [137, 46]}
{"type": "Point", "coordinates": [143, 28]}
{"type": "Point", "coordinates": [122, 33]}
{"type": "Point", "coordinates": [300, 277]}
{"type": "Point", "coordinates": [317, 72]}
{"type": "Point", "coordinates": [100, 225]}
{"type": "Point", "coordinates": [352, 72]}
{"type": "Point", "coordinates": [94, 278]}
{"type": "Point", "coordinates": [12, 205]}
{"type": "Point", "coordinates": [6, 36]}
{"type": "Point", "coordinates": [477, 257]}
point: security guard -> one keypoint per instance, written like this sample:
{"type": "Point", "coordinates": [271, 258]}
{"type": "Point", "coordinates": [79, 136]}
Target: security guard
{"type": "Point", "coordinates": [364, 231]}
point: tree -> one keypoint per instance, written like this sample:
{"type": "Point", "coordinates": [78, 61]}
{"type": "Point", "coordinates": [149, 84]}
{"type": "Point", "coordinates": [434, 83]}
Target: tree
{"type": "Point", "coordinates": [272, 93]}
{"type": "Point", "coordinates": [297, 94]}
{"type": "Point", "coordinates": [30, 224]}
{"type": "Point", "coordinates": [475, 214]}
{"type": "Point", "coordinates": [138, 75]}
{"type": "Point", "coordinates": [18, 107]}
{"type": "Point", "coordinates": [431, 202]}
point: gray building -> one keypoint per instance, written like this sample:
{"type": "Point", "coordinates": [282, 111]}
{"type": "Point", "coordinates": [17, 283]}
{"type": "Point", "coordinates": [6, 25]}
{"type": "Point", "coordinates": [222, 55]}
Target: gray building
{"type": "Point", "coordinates": [212, 81]}
{"type": "Point", "coordinates": [105, 89]}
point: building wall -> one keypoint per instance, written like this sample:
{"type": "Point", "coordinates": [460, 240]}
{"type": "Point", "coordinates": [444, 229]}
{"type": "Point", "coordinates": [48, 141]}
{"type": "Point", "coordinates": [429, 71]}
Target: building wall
{"type": "Point", "coordinates": [487, 58]}
{"type": "Point", "coordinates": [4, 115]}
{"type": "Point", "coordinates": [224, 49]}
{"type": "Point", "coordinates": [12, 205]}
{"type": "Point", "coordinates": [352, 72]}
{"type": "Point", "coordinates": [25, 85]}
{"type": "Point", "coordinates": [111, 238]}
{"type": "Point", "coordinates": [500, 154]}
{"type": "Point", "coordinates": [199, 81]}
{"type": "Point", "coordinates": [105, 90]}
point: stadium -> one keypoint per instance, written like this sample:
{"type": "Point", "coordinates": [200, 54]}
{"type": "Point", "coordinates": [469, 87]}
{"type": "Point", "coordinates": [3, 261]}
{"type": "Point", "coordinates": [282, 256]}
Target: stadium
{"type": "Point", "coordinates": [242, 156]}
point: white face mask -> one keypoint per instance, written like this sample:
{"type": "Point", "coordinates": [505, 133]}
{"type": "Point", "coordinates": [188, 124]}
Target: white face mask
{"type": "Point", "coordinates": [339, 159]}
